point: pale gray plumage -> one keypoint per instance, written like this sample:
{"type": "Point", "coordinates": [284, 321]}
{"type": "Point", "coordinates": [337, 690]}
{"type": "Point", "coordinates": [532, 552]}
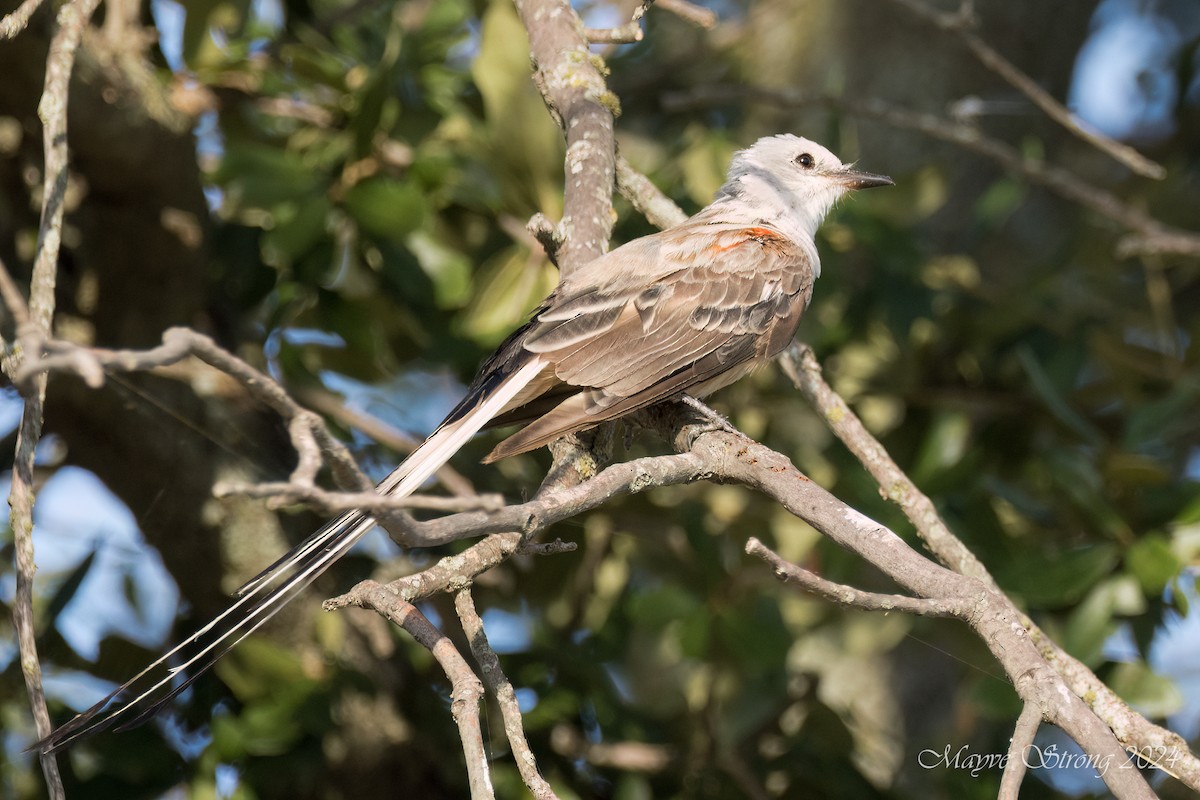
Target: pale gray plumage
{"type": "Point", "coordinates": [690, 309]}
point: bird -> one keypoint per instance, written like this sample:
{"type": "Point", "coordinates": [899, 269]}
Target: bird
{"type": "Point", "coordinates": [687, 310]}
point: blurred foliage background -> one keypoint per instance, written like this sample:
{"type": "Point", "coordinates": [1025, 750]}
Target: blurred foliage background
{"type": "Point", "coordinates": [337, 190]}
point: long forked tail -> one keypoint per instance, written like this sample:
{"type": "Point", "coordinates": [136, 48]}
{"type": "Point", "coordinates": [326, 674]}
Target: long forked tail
{"type": "Point", "coordinates": [148, 691]}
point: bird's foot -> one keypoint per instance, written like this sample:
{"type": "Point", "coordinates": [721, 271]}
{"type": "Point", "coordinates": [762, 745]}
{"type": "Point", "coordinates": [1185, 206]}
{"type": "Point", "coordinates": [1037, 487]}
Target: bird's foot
{"type": "Point", "coordinates": [717, 421]}
{"type": "Point", "coordinates": [711, 422]}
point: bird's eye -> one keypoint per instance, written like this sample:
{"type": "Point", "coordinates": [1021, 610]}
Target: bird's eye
{"type": "Point", "coordinates": [805, 160]}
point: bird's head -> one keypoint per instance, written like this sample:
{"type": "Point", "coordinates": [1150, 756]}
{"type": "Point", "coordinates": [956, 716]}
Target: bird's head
{"type": "Point", "coordinates": [793, 176]}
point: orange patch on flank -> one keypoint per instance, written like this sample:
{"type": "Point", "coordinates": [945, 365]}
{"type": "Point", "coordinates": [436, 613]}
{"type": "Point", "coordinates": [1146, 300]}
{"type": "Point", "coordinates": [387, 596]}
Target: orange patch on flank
{"type": "Point", "coordinates": [762, 234]}
{"type": "Point", "coordinates": [756, 234]}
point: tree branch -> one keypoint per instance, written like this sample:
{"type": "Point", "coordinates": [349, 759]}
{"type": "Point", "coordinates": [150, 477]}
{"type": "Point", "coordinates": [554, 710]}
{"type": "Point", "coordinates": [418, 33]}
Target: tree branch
{"type": "Point", "coordinates": [371, 501]}
{"type": "Point", "coordinates": [646, 198]}
{"type": "Point", "coordinates": [723, 456]}
{"type": "Point", "coordinates": [308, 430]}
{"type": "Point", "coordinates": [506, 697]}
{"type": "Point", "coordinates": [13, 300]}
{"type": "Point", "coordinates": [1015, 765]}
{"type": "Point", "coordinates": [991, 615]}
{"type": "Point", "coordinates": [847, 595]}
{"type": "Point", "coordinates": [625, 34]}
{"type": "Point", "coordinates": [379, 431]}
{"type": "Point", "coordinates": [310, 437]}
{"type": "Point", "coordinates": [960, 25]}
{"type": "Point", "coordinates": [18, 20]}
{"type": "Point", "coordinates": [697, 15]}
{"type": "Point", "coordinates": [624, 756]}
{"type": "Point", "coordinates": [1132, 730]}
{"type": "Point", "coordinates": [449, 574]}
{"type": "Point", "coordinates": [800, 364]}
{"type": "Point", "coordinates": [571, 80]}
{"type": "Point", "coordinates": [467, 689]}
{"type": "Point", "coordinates": [72, 19]}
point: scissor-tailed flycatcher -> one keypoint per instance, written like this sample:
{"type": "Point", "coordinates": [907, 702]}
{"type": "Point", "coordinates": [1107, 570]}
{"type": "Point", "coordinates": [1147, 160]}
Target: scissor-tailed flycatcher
{"type": "Point", "coordinates": [690, 309]}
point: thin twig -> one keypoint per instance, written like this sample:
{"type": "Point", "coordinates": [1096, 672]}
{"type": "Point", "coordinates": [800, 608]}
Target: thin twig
{"type": "Point", "coordinates": [448, 574]}
{"type": "Point", "coordinates": [1015, 765]}
{"type": "Point", "coordinates": [12, 298]}
{"type": "Point", "coordinates": [307, 430]}
{"type": "Point", "coordinates": [467, 691]}
{"type": "Point", "coordinates": [956, 24]}
{"type": "Point", "coordinates": [371, 502]}
{"type": "Point", "coordinates": [697, 15]}
{"type": "Point", "coordinates": [647, 198]}
{"type": "Point", "coordinates": [547, 234]}
{"type": "Point", "coordinates": [293, 108]}
{"type": "Point", "coordinates": [623, 756]}
{"type": "Point", "coordinates": [309, 434]}
{"type": "Point", "coordinates": [557, 547]}
{"type": "Point", "coordinates": [848, 595]}
{"type": "Point", "coordinates": [18, 20]}
{"type": "Point", "coordinates": [52, 109]}
{"type": "Point", "coordinates": [332, 406]}
{"type": "Point", "coordinates": [800, 364]}
{"type": "Point", "coordinates": [628, 33]}
{"type": "Point", "coordinates": [506, 696]}
{"type": "Point", "coordinates": [308, 461]}
{"type": "Point", "coordinates": [632, 31]}
{"type": "Point", "coordinates": [563, 502]}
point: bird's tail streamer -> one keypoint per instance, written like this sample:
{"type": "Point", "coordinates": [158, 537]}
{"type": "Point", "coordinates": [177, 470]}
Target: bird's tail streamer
{"type": "Point", "coordinates": [264, 596]}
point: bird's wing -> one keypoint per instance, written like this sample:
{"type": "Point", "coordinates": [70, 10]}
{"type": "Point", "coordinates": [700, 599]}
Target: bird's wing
{"type": "Point", "coordinates": [733, 297]}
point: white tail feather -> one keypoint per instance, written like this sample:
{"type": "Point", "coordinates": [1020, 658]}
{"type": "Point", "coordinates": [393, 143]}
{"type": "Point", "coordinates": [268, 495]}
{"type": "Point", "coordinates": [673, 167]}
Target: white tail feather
{"type": "Point", "coordinates": [265, 595]}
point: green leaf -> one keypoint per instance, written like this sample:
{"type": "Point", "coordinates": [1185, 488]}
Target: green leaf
{"type": "Point", "coordinates": [753, 633]}
{"type": "Point", "coordinates": [658, 607]}
{"type": "Point", "coordinates": [449, 269]}
{"type": "Point", "coordinates": [258, 176]}
{"type": "Point", "coordinates": [1061, 578]}
{"type": "Point", "coordinates": [1054, 401]}
{"type": "Point", "coordinates": [312, 64]}
{"type": "Point", "coordinates": [1148, 423]}
{"type": "Point", "coordinates": [1151, 694]}
{"type": "Point", "coordinates": [202, 18]}
{"type": "Point", "coordinates": [944, 445]}
{"type": "Point", "coordinates": [1181, 588]}
{"type": "Point", "coordinates": [1153, 563]}
{"type": "Point", "coordinates": [505, 290]}
{"type": "Point", "coordinates": [259, 668]}
{"type": "Point", "coordinates": [1000, 200]}
{"type": "Point", "coordinates": [297, 230]}
{"type": "Point", "coordinates": [1094, 620]}
{"type": "Point", "coordinates": [387, 208]}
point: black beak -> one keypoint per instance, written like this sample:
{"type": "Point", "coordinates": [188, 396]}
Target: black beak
{"type": "Point", "coordinates": [853, 179]}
